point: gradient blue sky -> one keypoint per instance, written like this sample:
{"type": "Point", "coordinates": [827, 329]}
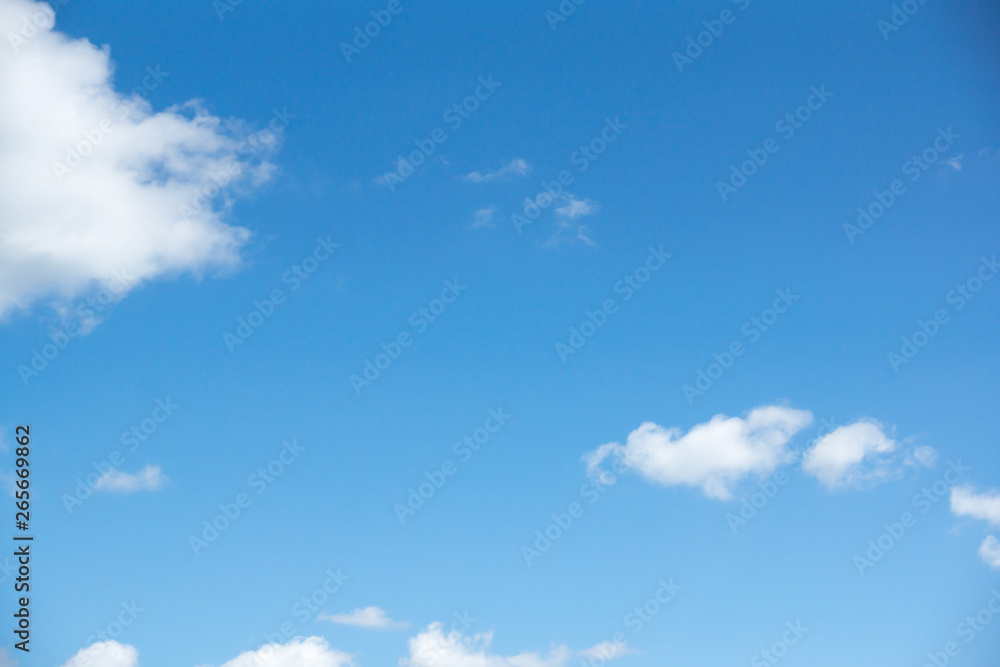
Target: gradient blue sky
{"type": "Point", "coordinates": [495, 346]}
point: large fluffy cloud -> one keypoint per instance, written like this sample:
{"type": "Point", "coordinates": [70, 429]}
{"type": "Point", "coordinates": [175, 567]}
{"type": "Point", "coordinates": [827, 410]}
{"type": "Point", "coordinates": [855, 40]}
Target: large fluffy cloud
{"type": "Point", "coordinates": [434, 648]}
{"type": "Point", "coordinates": [850, 455]}
{"type": "Point", "coordinates": [715, 455]}
{"type": "Point", "coordinates": [93, 184]}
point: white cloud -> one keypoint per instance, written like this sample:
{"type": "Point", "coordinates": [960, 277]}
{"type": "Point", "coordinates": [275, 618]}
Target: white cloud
{"type": "Point", "coordinates": [484, 217]}
{"type": "Point", "coordinates": [299, 652]}
{"type": "Point", "coordinates": [575, 208]}
{"type": "Point", "coordinates": [982, 506]}
{"type": "Point", "coordinates": [149, 478]}
{"type": "Point", "coordinates": [715, 455]}
{"type": "Point", "coordinates": [516, 167]}
{"type": "Point", "coordinates": [608, 650]}
{"type": "Point", "coordinates": [369, 617]}
{"type": "Point", "coordinates": [433, 648]}
{"type": "Point", "coordinates": [105, 654]}
{"type": "Point", "coordinates": [852, 455]}
{"type": "Point", "coordinates": [567, 230]}
{"type": "Point", "coordinates": [989, 551]}
{"type": "Point", "coordinates": [925, 456]}
{"type": "Point", "coordinates": [985, 507]}
{"type": "Point", "coordinates": [93, 183]}
{"type": "Point", "coordinates": [956, 162]}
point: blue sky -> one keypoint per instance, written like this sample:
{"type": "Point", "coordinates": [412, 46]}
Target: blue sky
{"type": "Point", "coordinates": [622, 363]}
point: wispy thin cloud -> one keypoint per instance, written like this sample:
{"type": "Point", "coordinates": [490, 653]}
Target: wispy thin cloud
{"type": "Point", "coordinates": [575, 208]}
{"type": "Point", "coordinates": [149, 478]}
{"type": "Point", "coordinates": [368, 617]}
{"type": "Point", "coordinates": [483, 217]}
{"type": "Point", "coordinates": [567, 230]}
{"type": "Point", "coordinates": [517, 167]}
{"type": "Point", "coordinates": [608, 650]}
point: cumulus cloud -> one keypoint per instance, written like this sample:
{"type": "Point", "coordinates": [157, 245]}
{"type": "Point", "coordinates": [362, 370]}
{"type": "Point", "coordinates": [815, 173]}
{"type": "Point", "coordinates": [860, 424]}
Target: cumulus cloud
{"type": "Point", "coordinates": [713, 456]}
{"type": "Point", "coordinates": [854, 454]}
{"type": "Point", "coordinates": [989, 551]}
{"type": "Point", "coordinates": [983, 506]}
{"type": "Point", "coordinates": [299, 652]}
{"type": "Point", "coordinates": [369, 617]}
{"type": "Point", "coordinates": [149, 478]}
{"type": "Point", "coordinates": [515, 167]}
{"type": "Point", "coordinates": [434, 648]}
{"type": "Point", "coordinates": [105, 654]}
{"type": "Point", "coordinates": [93, 183]}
